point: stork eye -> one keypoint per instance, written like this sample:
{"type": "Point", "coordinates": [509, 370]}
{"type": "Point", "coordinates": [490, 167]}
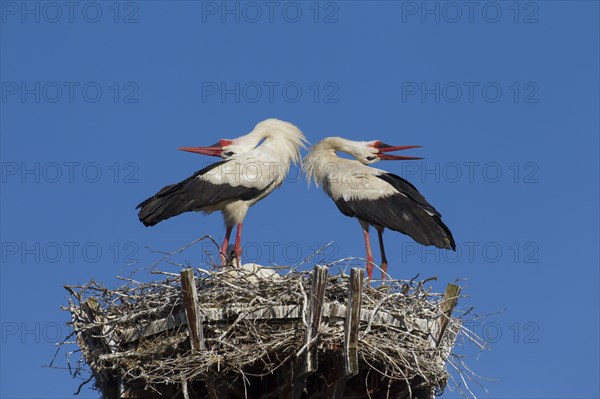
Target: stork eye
{"type": "Point", "coordinates": [370, 158]}
{"type": "Point", "coordinates": [228, 153]}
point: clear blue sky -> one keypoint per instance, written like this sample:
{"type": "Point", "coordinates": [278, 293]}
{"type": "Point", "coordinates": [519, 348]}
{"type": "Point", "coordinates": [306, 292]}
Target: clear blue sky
{"type": "Point", "coordinates": [504, 97]}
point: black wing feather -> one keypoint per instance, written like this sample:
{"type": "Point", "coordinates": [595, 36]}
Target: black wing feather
{"type": "Point", "coordinates": [405, 213]}
{"type": "Point", "coordinates": [191, 194]}
{"type": "Point", "coordinates": [407, 188]}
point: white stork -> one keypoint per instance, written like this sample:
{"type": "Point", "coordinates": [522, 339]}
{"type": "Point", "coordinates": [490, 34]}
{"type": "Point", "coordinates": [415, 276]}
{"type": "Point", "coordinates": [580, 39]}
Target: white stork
{"type": "Point", "coordinates": [373, 196]}
{"type": "Point", "coordinates": [253, 166]}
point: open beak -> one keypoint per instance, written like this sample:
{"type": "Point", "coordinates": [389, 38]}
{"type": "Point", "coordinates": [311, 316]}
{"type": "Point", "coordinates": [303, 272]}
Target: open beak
{"type": "Point", "coordinates": [214, 150]}
{"type": "Point", "coordinates": [383, 148]}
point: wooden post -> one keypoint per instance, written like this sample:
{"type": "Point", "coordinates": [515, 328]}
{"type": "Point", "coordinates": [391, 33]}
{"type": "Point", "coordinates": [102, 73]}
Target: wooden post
{"type": "Point", "coordinates": [216, 390]}
{"type": "Point", "coordinates": [305, 364]}
{"type": "Point", "coordinates": [315, 311]}
{"type": "Point", "coordinates": [184, 390]}
{"type": "Point", "coordinates": [352, 321]}
{"type": "Point", "coordinates": [336, 383]}
{"type": "Point", "coordinates": [192, 313]}
{"type": "Point", "coordinates": [449, 302]}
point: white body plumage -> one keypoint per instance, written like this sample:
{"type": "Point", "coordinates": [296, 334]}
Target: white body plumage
{"type": "Point", "coordinates": [253, 166]}
{"type": "Point", "coordinates": [373, 196]}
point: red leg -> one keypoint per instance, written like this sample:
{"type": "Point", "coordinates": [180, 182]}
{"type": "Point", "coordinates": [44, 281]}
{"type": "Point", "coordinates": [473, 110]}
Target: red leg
{"type": "Point", "coordinates": [238, 244]}
{"type": "Point", "coordinates": [224, 246]}
{"type": "Point", "coordinates": [369, 253]}
{"type": "Point", "coordinates": [384, 262]}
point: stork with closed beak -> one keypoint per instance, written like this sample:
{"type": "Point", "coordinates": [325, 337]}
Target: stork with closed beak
{"type": "Point", "coordinates": [373, 196]}
{"type": "Point", "coordinates": [253, 166]}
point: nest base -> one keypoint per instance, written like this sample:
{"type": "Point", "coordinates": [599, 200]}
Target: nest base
{"type": "Point", "coordinates": [298, 336]}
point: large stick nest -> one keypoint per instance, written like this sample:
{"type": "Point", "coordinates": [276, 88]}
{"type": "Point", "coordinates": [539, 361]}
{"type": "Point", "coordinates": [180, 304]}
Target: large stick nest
{"type": "Point", "coordinates": [104, 320]}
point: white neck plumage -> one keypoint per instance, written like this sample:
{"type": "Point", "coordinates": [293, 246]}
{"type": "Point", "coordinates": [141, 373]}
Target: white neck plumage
{"type": "Point", "coordinates": [281, 140]}
{"type": "Point", "coordinates": [322, 158]}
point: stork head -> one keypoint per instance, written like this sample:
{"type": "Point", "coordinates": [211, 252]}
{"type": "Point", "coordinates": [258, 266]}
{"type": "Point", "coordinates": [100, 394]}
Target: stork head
{"type": "Point", "coordinates": [289, 137]}
{"type": "Point", "coordinates": [281, 137]}
{"type": "Point", "coordinates": [321, 156]}
{"type": "Point", "coordinates": [373, 151]}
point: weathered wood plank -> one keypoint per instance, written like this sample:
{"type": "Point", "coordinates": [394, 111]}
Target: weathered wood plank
{"type": "Point", "coordinates": [332, 311]}
{"type": "Point", "coordinates": [192, 313]}
{"type": "Point", "coordinates": [154, 327]}
{"type": "Point", "coordinates": [184, 390]}
{"type": "Point", "coordinates": [352, 321]}
{"type": "Point", "coordinates": [348, 366]}
{"type": "Point", "coordinates": [449, 302]}
{"type": "Point", "coordinates": [315, 311]}
{"type": "Point", "coordinates": [305, 363]}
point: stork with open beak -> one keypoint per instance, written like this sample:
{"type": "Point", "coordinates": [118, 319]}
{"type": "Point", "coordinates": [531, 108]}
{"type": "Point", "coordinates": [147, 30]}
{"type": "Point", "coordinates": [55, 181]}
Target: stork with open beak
{"type": "Point", "coordinates": [373, 196]}
{"type": "Point", "coordinates": [253, 166]}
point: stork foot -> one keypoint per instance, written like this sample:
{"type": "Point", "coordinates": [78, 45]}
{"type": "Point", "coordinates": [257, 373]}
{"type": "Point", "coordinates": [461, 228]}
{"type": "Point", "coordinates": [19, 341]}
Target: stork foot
{"type": "Point", "coordinates": [236, 257]}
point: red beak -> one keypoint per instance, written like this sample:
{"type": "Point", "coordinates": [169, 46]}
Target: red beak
{"type": "Point", "coordinates": [383, 148]}
{"type": "Point", "coordinates": [214, 150]}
